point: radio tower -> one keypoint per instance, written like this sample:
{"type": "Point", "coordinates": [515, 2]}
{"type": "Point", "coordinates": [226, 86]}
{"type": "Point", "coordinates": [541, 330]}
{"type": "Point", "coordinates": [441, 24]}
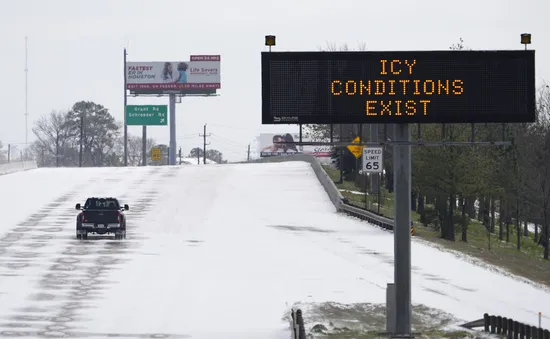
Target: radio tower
{"type": "Point", "coordinates": [26, 97]}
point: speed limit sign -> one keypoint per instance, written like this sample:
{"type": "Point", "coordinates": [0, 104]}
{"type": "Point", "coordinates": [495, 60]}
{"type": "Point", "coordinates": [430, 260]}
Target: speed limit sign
{"type": "Point", "coordinates": [373, 159]}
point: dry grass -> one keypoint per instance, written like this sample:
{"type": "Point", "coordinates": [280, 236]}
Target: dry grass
{"type": "Point", "coordinates": [527, 262]}
{"type": "Point", "coordinates": [364, 320]}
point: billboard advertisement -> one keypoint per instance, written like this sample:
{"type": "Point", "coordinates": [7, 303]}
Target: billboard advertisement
{"type": "Point", "coordinates": [201, 72]}
{"type": "Point", "coordinates": [270, 145]}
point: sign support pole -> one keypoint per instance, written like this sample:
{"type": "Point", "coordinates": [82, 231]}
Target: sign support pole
{"type": "Point", "coordinates": [401, 232]}
{"type": "Point", "coordinates": [379, 175]}
{"type": "Point", "coordinates": [172, 148]}
{"type": "Point", "coordinates": [340, 139]}
{"type": "Point", "coordinates": [125, 125]}
{"type": "Point", "coordinates": [374, 138]}
{"type": "Point", "coordinates": [144, 146]}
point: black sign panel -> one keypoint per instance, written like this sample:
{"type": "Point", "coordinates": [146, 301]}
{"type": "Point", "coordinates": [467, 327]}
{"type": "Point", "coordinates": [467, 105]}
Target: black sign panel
{"type": "Point", "coordinates": [398, 87]}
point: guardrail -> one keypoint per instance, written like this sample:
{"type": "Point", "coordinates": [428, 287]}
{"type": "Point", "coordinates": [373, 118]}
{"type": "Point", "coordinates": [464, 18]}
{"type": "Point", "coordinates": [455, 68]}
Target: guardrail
{"type": "Point", "coordinates": [339, 201]}
{"type": "Point", "coordinates": [297, 324]}
{"type": "Point", "coordinates": [371, 217]}
{"type": "Point", "coordinates": [17, 166]}
{"type": "Point", "coordinates": [508, 327]}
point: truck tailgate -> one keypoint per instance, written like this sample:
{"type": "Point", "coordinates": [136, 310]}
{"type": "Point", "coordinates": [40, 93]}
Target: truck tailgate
{"type": "Point", "coordinates": [100, 216]}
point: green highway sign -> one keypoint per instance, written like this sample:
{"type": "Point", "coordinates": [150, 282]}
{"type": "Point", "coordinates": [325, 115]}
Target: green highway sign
{"type": "Point", "coordinates": [146, 115]}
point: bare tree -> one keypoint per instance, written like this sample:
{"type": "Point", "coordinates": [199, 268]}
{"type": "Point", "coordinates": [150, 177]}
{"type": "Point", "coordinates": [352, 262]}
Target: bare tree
{"type": "Point", "coordinates": [2, 155]}
{"type": "Point", "coordinates": [196, 152]}
{"type": "Point", "coordinates": [135, 149]}
{"type": "Point", "coordinates": [333, 47]}
{"type": "Point", "coordinates": [53, 136]}
{"type": "Point", "coordinates": [215, 155]}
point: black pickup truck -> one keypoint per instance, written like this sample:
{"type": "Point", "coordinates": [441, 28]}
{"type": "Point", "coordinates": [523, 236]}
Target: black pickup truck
{"type": "Point", "coordinates": [101, 216]}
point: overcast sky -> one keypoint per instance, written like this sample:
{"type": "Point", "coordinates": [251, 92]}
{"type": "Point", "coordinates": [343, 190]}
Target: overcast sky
{"type": "Point", "coordinates": [75, 50]}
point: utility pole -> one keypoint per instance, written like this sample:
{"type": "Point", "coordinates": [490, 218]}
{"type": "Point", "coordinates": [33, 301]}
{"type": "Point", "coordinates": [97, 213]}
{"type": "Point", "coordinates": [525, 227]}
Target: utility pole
{"type": "Point", "coordinates": [26, 97]}
{"type": "Point", "coordinates": [9, 152]}
{"type": "Point", "coordinates": [143, 144]}
{"type": "Point", "coordinates": [204, 144]}
{"type": "Point", "coordinates": [81, 137]}
{"type": "Point", "coordinates": [57, 152]}
{"type": "Point", "coordinates": [125, 123]}
{"type": "Point", "coordinates": [341, 156]}
{"type": "Point", "coordinates": [248, 153]}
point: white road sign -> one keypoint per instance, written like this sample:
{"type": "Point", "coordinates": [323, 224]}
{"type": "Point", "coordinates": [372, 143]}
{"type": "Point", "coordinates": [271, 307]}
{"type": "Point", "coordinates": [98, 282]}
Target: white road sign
{"type": "Point", "coordinates": [373, 159]}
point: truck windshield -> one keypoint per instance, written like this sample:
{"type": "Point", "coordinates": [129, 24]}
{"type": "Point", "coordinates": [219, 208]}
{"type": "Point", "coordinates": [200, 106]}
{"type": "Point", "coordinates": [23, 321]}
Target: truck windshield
{"type": "Point", "coordinates": [99, 203]}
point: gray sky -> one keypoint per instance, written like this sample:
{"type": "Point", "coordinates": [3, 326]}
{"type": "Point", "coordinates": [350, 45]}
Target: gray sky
{"type": "Point", "coordinates": [75, 50]}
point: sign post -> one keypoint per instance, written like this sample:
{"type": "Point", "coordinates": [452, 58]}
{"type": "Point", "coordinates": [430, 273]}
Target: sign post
{"type": "Point", "coordinates": [156, 154]}
{"type": "Point", "coordinates": [356, 150]}
{"type": "Point", "coordinates": [146, 115]}
{"type": "Point", "coordinates": [373, 164]}
{"type": "Point", "coordinates": [200, 76]}
{"type": "Point", "coordinates": [402, 228]}
{"type": "Point", "coordinates": [399, 88]}
{"type": "Point", "coordinates": [373, 159]}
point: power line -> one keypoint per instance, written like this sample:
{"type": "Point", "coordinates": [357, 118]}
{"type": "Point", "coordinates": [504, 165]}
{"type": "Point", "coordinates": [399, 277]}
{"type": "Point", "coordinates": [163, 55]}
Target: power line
{"type": "Point", "coordinates": [226, 141]}
{"type": "Point", "coordinates": [237, 127]}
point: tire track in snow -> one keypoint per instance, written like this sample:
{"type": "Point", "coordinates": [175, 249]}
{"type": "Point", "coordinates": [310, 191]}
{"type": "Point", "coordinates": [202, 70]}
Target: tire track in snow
{"type": "Point", "coordinates": [29, 239]}
{"type": "Point", "coordinates": [433, 279]}
{"type": "Point", "coordinates": [53, 284]}
{"type": "Point", "coordinates": [320, 239]}
{"type": "Point", "coordinates": [76, 280]}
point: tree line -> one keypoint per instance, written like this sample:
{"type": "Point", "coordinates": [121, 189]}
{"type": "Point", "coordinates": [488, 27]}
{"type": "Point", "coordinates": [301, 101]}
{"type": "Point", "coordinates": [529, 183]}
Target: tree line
{"type": "Point", "coordinates": [88, 135]}
{"type": "Point", "coordinates": [504, 188]}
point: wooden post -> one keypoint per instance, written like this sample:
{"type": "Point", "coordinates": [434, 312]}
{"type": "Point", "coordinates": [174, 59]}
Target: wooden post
{"type": "Point", "coordinates": [532, 332]}
{"type": "Point", "coordinates": [505, 326]}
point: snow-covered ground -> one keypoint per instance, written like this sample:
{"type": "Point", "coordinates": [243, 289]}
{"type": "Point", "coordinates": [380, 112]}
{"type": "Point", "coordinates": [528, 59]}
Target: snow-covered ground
{"type": "Point", "coordinates": [16, 166]}
{"type": "Point", "coordinates": [220, 251]}
{"type": "Point", "coordinates": [196, 161]}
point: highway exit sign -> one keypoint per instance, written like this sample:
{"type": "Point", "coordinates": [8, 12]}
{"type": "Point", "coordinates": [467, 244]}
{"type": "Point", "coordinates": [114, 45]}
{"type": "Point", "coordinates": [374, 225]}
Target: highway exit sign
{"type": "Point", "coordinates": [146, 115]}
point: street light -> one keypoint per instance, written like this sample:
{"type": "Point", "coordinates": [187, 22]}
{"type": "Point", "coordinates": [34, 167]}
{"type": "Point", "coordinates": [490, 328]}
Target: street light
{"type": "Point", "coordinates": [270, 41]}
{"type": "Point", "coordinates": [525, 39]}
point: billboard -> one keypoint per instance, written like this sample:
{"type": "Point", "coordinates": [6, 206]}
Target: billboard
{"type": "Point", "coordinates": [398, 87]}
{"type": "Point", "coordinates": [270, 145]}
{"type": "Point", "coordinates": [201, 73]}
